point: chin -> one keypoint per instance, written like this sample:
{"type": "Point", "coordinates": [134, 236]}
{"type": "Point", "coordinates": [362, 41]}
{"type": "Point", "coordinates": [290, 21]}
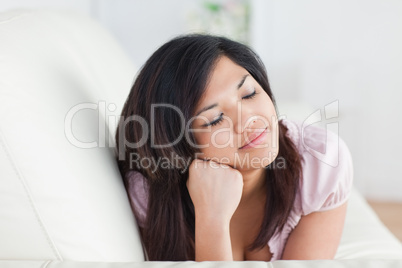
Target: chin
{"type": "Point", "coordinates": [254, 159]}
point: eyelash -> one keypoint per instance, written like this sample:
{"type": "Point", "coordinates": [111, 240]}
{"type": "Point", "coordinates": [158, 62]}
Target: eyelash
{"type": "Point", "coordinates": [250, 96]}
{"type": "Point", "coordinates": [217, 121]}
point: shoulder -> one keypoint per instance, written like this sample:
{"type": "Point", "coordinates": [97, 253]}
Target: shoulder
{"type": "Point", "coordinates": [137, 189]}
{"type": "Point", "coordinates": [327, 176]}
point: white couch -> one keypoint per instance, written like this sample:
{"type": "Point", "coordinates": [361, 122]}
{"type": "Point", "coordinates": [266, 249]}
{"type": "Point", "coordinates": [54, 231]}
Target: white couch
{"type": "Point", "coordinates": [62, 201]}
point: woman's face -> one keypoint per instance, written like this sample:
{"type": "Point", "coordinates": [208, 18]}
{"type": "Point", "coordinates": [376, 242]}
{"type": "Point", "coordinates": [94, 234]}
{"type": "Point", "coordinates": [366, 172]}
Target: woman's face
{"type": "Point", "coordinates": [230, 117]}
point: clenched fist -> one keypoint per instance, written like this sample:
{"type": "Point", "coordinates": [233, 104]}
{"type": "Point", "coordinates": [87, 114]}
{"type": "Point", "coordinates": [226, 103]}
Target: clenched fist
{"type": "Point", "coordinates": [215, 189]}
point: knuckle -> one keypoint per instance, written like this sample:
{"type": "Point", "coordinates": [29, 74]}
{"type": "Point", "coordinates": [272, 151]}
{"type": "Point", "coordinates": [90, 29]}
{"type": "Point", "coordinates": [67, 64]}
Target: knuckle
{"type": "Point", "coordinates": [194, 163]}
{"type": "Point", "coordinates": [238, 175]}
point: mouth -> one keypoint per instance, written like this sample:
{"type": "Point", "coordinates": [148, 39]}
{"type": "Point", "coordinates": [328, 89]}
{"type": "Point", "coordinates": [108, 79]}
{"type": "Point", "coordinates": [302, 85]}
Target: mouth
{"type": "Point", "coordinates": [258, 139]}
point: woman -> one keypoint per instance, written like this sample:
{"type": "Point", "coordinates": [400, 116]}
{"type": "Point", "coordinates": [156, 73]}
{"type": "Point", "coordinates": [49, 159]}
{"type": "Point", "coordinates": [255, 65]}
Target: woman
{"type": "Point", "coordinates": [211, 173]}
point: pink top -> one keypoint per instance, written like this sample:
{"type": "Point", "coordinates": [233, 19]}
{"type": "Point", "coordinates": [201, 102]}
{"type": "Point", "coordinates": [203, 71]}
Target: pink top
{"type": "Point", "coordinates": [326, 182]}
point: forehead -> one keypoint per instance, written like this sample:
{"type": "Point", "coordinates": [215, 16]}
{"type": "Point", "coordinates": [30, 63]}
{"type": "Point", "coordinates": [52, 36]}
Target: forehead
{"type": "Point", "coordinates": [226, 75]}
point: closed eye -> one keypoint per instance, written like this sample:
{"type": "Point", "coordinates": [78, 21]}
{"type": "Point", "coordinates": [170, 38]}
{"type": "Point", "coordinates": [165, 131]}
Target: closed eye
{"type": "Point", "coordinates": [219, 120]}
{"type": "Point", "coordinates": [250, 96]}
{"type": "Point", "coordinates": [215, 122]}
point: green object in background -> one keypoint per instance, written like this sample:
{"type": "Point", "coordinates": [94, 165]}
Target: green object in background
{"type": "Point", "coordinates": [230, 18]}
{"type": "Point", "coordinates": [214, 7]}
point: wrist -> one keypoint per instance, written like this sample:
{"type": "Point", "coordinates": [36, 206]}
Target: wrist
{"type": "Point", "coordinates": [212, 220]}
{"type": "Point", "coordinates": [212, 239]}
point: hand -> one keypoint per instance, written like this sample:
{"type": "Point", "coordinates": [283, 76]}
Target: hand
{"type": "Point", "coordinates": [215, 190]}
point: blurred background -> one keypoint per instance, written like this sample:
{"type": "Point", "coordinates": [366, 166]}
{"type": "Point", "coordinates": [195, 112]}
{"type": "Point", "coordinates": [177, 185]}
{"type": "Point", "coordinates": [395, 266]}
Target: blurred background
{"type": "Point", "coordinates": [343, 54]}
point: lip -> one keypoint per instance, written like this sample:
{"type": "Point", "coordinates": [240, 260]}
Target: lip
{"type": "Point", "coordinates": [256, 140]}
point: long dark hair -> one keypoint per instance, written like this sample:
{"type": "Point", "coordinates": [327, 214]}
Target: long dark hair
{"type": "Point", "coordinates": [176, 74]}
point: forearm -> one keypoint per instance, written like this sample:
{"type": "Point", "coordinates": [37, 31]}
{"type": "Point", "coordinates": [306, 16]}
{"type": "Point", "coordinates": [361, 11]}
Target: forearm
{"type": "Point", "coordinates": [212, 240]}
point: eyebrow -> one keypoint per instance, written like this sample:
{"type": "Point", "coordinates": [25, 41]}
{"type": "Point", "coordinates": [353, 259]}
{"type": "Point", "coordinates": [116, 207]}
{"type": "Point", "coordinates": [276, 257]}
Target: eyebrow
{"type": "Point", "coordinates": [215, 104]}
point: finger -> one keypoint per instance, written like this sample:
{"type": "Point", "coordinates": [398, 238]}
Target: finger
{"type": "Point", "coordinates": [214, 164]}
{"type": "Point", "coordinates": [208, 159]}
{"type": "Point", "coordinates": [204, 159]}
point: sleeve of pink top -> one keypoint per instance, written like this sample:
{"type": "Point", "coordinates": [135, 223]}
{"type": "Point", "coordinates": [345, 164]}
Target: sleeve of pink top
{"type": "Point", "coordinates": [138, 195]}
{"type": "Point", "coordinates": [327, 170]}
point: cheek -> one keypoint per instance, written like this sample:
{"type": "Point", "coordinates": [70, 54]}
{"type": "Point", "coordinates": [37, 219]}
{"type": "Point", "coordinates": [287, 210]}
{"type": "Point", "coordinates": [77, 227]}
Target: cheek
{"type": "Point", "coordinates": [265, 104]}
{"type": "Point", "coordinates": [201, 138]}
{"type": "Point", "coordinates": [218, 138]}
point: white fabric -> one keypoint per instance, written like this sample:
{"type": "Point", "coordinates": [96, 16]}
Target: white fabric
{"type": "Point", "coordinates": [246, 264]}
{"type": "Point", "coordinates": [59, 202]}
{"type": "Point", "coordinates": [364, 235]}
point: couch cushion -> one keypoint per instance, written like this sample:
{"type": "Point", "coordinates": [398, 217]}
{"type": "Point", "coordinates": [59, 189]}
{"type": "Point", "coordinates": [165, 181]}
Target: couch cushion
{"type": "Point", "coordinates": [224, 264]}
{"type": "Point", "coordinates": [61, 195]}
{"type": "Point", "coordinates": [364, 235]}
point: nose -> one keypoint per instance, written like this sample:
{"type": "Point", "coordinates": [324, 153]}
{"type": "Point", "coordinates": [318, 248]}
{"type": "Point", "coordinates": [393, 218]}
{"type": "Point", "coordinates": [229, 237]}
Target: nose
{"type": "Point", "coordinates": [247, 122]}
